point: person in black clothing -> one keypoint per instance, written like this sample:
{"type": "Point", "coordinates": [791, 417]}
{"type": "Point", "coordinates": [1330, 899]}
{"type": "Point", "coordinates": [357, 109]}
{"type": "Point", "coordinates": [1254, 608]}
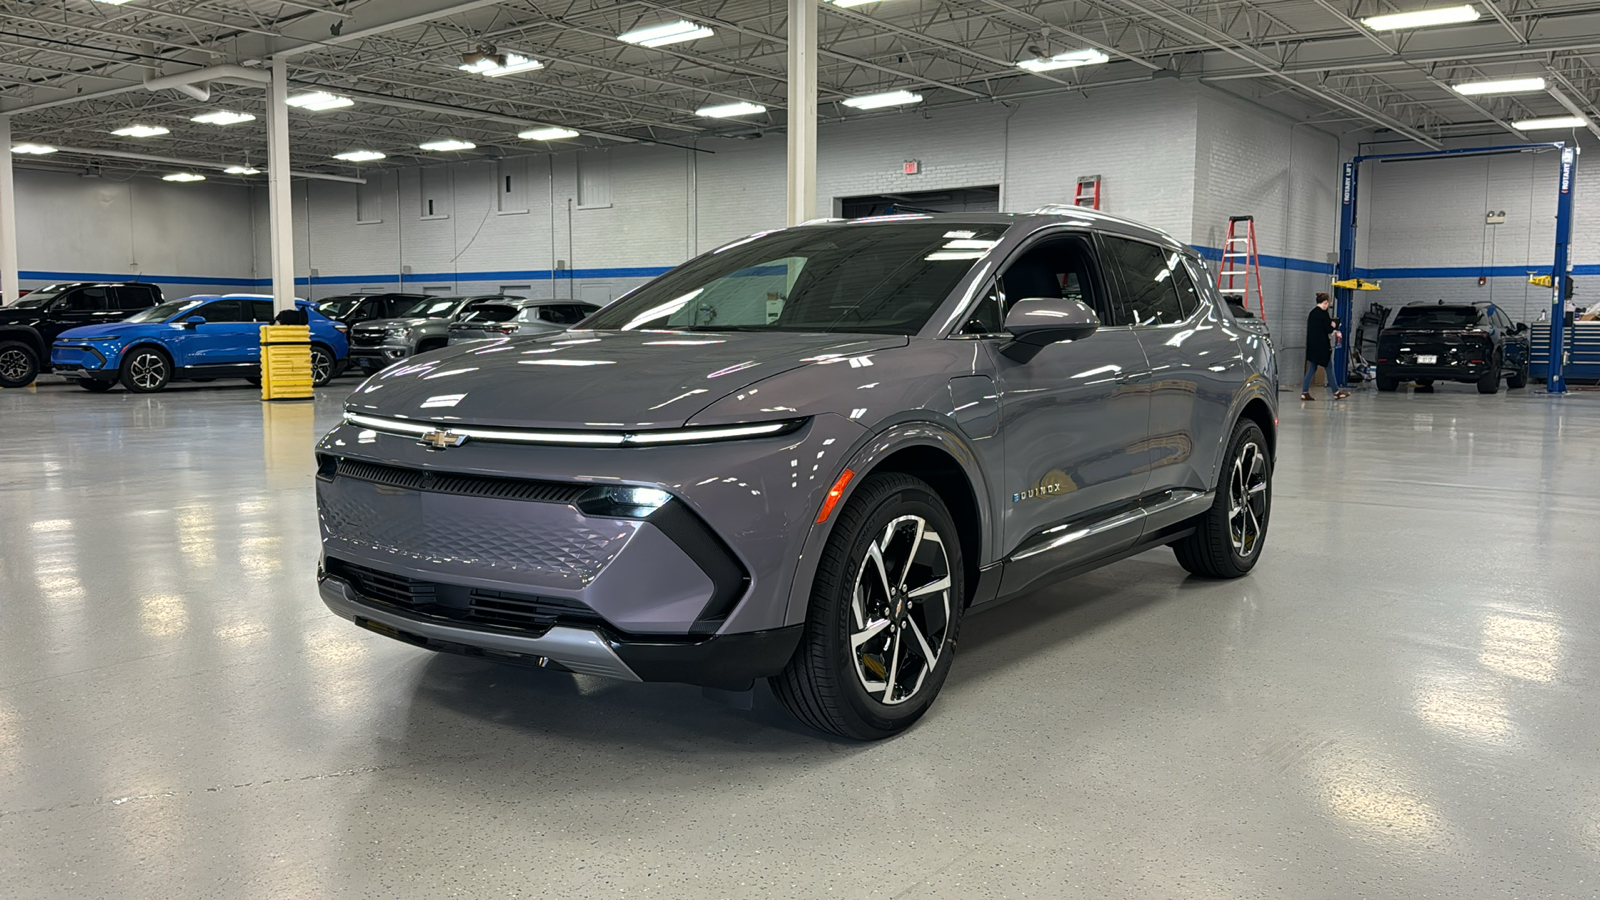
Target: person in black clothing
{"type": "Point", "coordinates": [1319, 347]}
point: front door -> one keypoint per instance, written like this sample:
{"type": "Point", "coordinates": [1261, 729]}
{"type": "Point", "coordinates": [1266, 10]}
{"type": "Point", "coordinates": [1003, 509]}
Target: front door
{"type": "Point", "coordinates": [229, 336]}
{"type": "Point", "coordinates": [1075, 419]}
{"type": "Point", "coordinates": [79, 307]}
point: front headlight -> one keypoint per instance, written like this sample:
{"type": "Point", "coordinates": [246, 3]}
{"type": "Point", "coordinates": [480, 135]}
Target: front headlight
{"type": "Point", "coordinates": [113, 337]}
{"type": "Point", "coordinates": [622, 501]}
{"type": "Point", "coordinates": [403, 334]}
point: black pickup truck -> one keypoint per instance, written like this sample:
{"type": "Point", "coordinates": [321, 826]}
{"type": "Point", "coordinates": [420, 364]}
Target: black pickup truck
{"type": "Point", "coordinates": [30, 325]}
{"type": "Point", "coordinates": [1473, 343]}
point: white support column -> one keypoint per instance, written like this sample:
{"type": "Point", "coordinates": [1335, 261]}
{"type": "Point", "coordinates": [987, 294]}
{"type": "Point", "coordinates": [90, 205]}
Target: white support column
{"type": "Point", "coordinates": [803, 17]}
{"type": "Point", "coordinates": [280, 208]}
{"type": "Point", "coordinates": [10, 284]}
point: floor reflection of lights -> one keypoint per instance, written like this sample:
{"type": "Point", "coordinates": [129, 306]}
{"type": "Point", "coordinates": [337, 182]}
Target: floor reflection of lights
{"type": "Point", "coordinates": [259, 556]}
{"type": "Point", "coordinates": [1465, 707]}
{"type": "Point", "coordinates": [163, 615]}
{"type": "Point", "coordinates": [1521, 647]}
{"type": "Point", "coordinates": [1370, 794]}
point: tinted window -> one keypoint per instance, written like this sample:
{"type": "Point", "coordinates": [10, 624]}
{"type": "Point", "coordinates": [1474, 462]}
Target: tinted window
{"type": "Point", "coordinates": [1189, 298]}
{"type": "Point", "coordinates": [166, 310]}
{"type": "Point", "coordinates": [1147, 283]}
{"type": "Point", "coordinates": [261, 310]}
{"type": "Point", "coordinates": [1436, 317]}
{"type": "Point", "coordinates": [338, 307]}
{"type": "Point", "coordinates": [220, 311]}
{"type": "Point", "coordinates": [133, 296]}
{"type": "Point", "coordinates": [874, 279]}
{"type": "Point", "coordinates": [92, 299]}
{"type": "Point", "coordinates": [497, 312]}
{"type": "Point", "coordinates": [564, 313]}
{"type": "Point", "coordinates": [1060, 267]}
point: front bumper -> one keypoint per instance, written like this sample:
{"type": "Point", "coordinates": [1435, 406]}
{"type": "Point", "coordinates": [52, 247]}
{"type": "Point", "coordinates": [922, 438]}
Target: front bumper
{"type": "Point", "coordinates": [730, 662]}
{"type": "Point", "coordinates": [372, 357]}
{"type": "Point", "coordinates": [81, 360]}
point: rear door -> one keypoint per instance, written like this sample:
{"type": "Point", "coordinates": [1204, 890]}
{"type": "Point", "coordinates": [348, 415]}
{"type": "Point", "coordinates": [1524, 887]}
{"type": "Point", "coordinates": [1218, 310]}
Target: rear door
{"type": "Point", "coordinates": [131, 298]}
{"type": "Point", "coordinates": [92, 305]}
{"type": "Point", "coordinates": [229, 337]}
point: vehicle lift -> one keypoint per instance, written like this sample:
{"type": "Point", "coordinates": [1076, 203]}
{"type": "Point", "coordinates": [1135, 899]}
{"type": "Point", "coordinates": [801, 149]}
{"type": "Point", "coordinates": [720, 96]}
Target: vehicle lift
{"type": "Point", "coordinates": [1345, 270]}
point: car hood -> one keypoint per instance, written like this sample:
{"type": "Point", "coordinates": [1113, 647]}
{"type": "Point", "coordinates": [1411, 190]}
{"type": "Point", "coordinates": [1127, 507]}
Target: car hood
{"type": "Point", "coordinates": [11, 316]}
{"type": "Point", "coordinates": [590, 379]}
{"type": "Point", "coordinates": [111, 329]}
{"type": "Point", "coordinates": [381, 324]}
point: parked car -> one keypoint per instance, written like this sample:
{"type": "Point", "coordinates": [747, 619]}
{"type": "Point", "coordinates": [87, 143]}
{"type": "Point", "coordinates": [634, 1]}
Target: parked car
{"type": "Point", "coordinates": [423, 327]}
{"type": "Point", "coordinates": [514, 317]}
{"type": "Point", "coordinates": [805, 455]}
{"type": "Point", "coordinates": [1473, 343]}
{"type": "Point", "coordinates": [352, 309]}
{"type": "Point", "coordinates": [197, 338]}
{"type": "Point", "coordinates": [30, 325]}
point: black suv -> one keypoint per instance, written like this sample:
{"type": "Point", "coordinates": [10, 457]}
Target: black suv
{"type": "Point", "coordinates": [1473, 343]}
{"type": "Point", "coordinates": [353, 308]}
{"type": "Point", "coordinates": [29, 326]}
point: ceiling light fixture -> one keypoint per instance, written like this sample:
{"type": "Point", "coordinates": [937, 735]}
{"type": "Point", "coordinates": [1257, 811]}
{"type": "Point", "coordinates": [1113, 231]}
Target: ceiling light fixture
{"type": "Point", "coordinates": [879, 101]}
{"type": "Point", "coordinates": [1423, 18]}
{"type": "Point", "coordinates": [662, 35]}
{"type": "Point", "coordinates": [33, 149]}
{"type": "Point", "coordinates": [1067, 60]}
{"type": "Point", "coordinates": [319, 101]}
{"type": "Point", "coordinates": [140, 131]}
{"type": "Point", "coordinates": [223, 117]}
{"type": "Point", "coordinates": [1554, 122]}
{"type": "Point", "coordinates": [846, 4]}
{"type": "Point", "coordinates": [445, 145]}
{"type": "Point", "coordinates": [1503, 86]}
{"type": "Point", "coordinates": [183, 176]}
{"type": "Point", "coordinates": [551, 133]}
{"type": "Point", "coordinates": [360, 155]}
{"type": "Point", "coordinates": [729, 110]}
{"type": "Point", "coordinates": [112, 2]}
{"type": "Point", "coordinates": [497, 66]}
{"type": "Point", "coordinates": [242, 170]}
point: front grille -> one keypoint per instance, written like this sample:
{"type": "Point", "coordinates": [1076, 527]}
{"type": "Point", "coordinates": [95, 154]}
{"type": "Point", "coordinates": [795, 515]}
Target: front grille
{"type": "Point", "coordinates": [465, 485]}
{"type": "Point", "coordinates": [460, 604]}
{"type": "Point", "coordinates": [367, 339]}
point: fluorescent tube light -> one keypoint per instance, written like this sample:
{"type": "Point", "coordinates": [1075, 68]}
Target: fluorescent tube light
{"type": "Point", "coordinates": [183, 176]}
{"type": "Point", "coordinates": [662, 35]}
{"type": "Point", "coordinates": [359, 155]}
{"type": "Point", "coordinates": [33, 149]}
{"type": "Point", "coordinates": [1068, 60]}
{"type": "Point", "coordinates": [319, 101]}
{"type": "Point", "coordinates": [140, 131]}
{"type": "Point", "coordinates": [1503, 86]}
{"type": "Point", "coordinates": [846, 4]}
{"type": "Point", "coordinates": [515, 62]}
{"type": "Point", "coordinates": [553, 133]}
{"type": "Point", "coordinates": [878, 101]}
{"type": "Point", "coordinates": [1555, 122]}
{"type": "Point", "coordinates": [729, 110]}
{"type": "Point", "coordinates": [445, 145]}
{"type": "Point", "coordinates": [242, 170]}
{"type": "Point", "coordinates": [223, 117]}
{"type": "Point", "coordinates": [1422, 18]}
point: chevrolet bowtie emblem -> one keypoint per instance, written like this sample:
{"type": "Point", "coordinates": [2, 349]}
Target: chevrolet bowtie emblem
{"type": "Point", "coordinates": [440, 440]}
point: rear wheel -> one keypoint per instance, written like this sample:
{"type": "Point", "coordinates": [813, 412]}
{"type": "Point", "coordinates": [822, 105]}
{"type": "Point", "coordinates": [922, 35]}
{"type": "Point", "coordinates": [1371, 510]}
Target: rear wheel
{"type": "Point", "coordinates": [146, 370]}
{"type": "Point", "coordinates": [1519, 378]}
{"type": "Point", "coordinates": [1388, 383]}
{"type": "Point", "coordinates": [322, 365]}
{"type": "Point", "coordinates": [886, 607]}
{"type": "Point", "coordinates": [1228, 538]}
{"type": "Point", "coordinates": [1490, 382]}
{"type": "Point", "coordinates": [95, 385]}
{"type": "Point", "coordinates": [19, 365]}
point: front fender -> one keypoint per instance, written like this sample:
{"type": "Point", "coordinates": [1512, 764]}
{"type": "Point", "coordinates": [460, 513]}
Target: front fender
{"type": "Point", "coordinates": [864, 457]}
{"type": "Point", "coordinates": [29, 335]}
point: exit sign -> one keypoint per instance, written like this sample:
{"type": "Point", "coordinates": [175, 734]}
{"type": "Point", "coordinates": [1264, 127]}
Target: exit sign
{"type": "Point", "coordinates": [911, 167]}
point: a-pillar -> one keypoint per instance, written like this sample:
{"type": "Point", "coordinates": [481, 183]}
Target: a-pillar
{"type": "Point", "coordinates": [803, 17]}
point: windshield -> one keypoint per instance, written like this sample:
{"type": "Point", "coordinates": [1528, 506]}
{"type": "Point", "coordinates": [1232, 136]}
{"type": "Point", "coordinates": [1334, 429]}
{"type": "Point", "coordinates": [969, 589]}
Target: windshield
{"type": "Point", "coordinates": [1436, 317]}
{"type": "Point", "coordinates": [875, 279]}
{"type": "Point", "coordinates": [35, 299]}
{"type": "Point", "coordinates": [339, 307]}
{"type": "Point", "coordinates": [166, 310]}
{"type": "Point", "coordinates": [431, 308]}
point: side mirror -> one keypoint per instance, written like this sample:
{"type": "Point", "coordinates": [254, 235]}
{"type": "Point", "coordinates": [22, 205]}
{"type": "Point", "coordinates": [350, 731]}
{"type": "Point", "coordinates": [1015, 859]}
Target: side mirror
{"type": "Point", "coordinates": [1521, 327]}
{"type": "Point", "coordinates": [194, 321]}
{"type": "Point", "coordinates": [1037, 322]}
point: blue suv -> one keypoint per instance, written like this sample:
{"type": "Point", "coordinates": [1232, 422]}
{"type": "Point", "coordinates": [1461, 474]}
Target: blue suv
{"type": "Point", "coordinates": [197, 338]}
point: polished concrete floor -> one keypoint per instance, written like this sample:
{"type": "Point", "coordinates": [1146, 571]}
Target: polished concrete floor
{"type": "Point", "coordinates": [1401, 701]}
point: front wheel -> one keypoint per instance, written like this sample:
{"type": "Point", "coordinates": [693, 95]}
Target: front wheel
{"type": "Point", "coordinates": [886, 607]}
{"type": "Point", "coordinates": [146, 370]}
{"type": "Point", "coordinates": [1229, 536]}
{"type": "Point", "coordinates": [1388, 383]}
{"type": "Point", "coordinates": [19, 365]}
{"type": "Point", "coordinates": [322, 365]}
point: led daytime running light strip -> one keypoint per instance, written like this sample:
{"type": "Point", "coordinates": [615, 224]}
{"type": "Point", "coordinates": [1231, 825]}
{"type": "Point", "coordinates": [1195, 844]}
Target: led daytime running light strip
{"type": "Point", "coordinates": [592, 438]}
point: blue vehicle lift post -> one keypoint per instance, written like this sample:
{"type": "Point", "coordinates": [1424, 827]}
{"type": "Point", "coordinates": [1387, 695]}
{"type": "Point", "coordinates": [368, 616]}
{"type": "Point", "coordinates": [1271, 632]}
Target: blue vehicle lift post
{"type": "Point", "coordinates": [1346, 267]}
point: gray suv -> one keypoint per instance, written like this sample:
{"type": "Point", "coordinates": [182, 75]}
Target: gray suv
{"type": "Point", "coordinates": [805, 456]}
{"type": "Point", "coordinates": [424, 326]}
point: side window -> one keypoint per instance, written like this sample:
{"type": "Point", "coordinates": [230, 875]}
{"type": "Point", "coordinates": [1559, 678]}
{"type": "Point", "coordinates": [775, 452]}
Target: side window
{"type": "Point", "coordinates": [92, 299]}
{"type": "Point", "coordinates": [1061, 267]}
{"type": "Point", "coordinates": [133, 297]}
{"type": "Point", "coordinates": [261, 310]}
{"type": "Point", "coordinates": [219, 311]}
{"type": "Point", "coordinates": [1189, 296]}
{"type": "Point", "coordinates": [1148, 289]}
{"type": "Point", "coordinates": [564, 314]}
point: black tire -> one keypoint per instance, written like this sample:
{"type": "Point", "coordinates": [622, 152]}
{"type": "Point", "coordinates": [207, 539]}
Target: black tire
{"type": "Point", "coordinates": [1425, 382]}
{"type": "Point", "coordinates": [145, 370]}
{"type": "Point", "coordinates": [826, 684]}
{"type": "Point", "coordinates": [19, 365]}
{"type": "Point", "coordinates": [324, 365]}
{"type": "Point", "coordinates": [1518, 379]}
{"type": "Point", "coordinates": [255, 381]}
{"type": "Point", "coordinates": [95, 385]}
{"type": "Point", "coordinates": [1490, 382]}
{"type": "Point", "coordinates": [1388, 383]}
{"type": "Point", "coordinates": [1228, 537]}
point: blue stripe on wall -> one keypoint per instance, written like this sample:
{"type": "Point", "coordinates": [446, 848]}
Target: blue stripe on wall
{"type": "Point", "coordinates": [35, 275]}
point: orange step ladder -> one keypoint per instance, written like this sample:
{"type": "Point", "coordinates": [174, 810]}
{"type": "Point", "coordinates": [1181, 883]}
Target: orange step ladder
{"type": "Point", "coordinates": [1239, 276]}
{"type": "Point", "coordinates": [1087, 194]}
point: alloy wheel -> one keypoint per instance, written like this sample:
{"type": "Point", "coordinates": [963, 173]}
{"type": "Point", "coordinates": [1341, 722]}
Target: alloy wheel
{"type": "Point", "coordinates": [148, 371]}
{"type": "Point", "coordinates": [1247, 499]}
{"type": "Point", "coordinates": [900, 610]}
{"type": "Point", "coordinates": [321, 367]}
{"type": "Point", "coordinates": [14, 365]}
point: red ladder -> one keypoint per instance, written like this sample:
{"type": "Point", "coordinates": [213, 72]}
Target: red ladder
{"type": "Point", "coordinates": [1087, 194]}
{"type": "Point", "coordinates": [1239, 276]}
